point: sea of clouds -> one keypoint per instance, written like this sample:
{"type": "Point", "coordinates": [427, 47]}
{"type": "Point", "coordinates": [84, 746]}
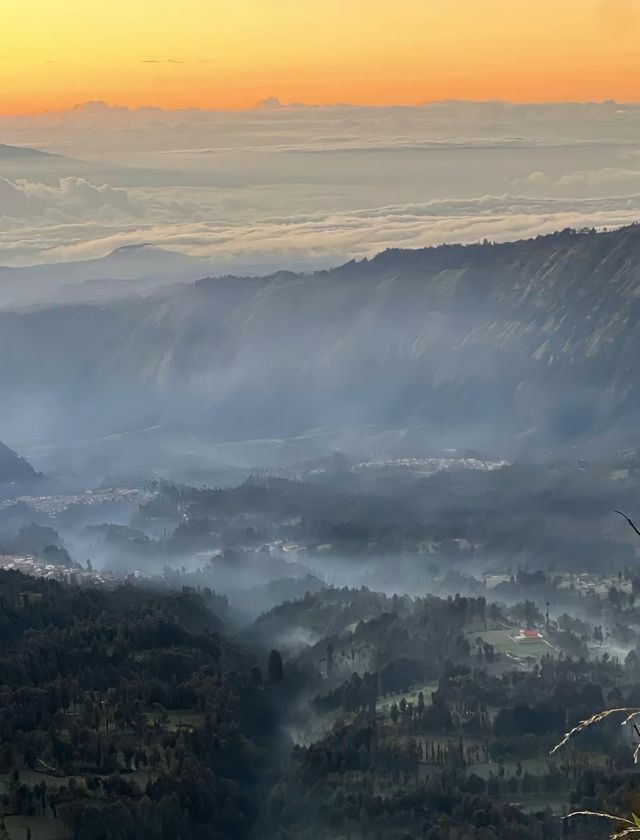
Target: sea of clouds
{"type": "Point", "coordinates": [300, 186]}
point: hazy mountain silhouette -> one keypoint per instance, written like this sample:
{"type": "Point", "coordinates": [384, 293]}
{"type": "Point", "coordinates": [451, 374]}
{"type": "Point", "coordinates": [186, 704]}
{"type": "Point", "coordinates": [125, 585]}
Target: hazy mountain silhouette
{"type": "Point", "coordinates": [125, 272]}
{"type": "Point", "coordinates": [14, 469]}
{"type": "Point", "coordinates": [22, 152]}
{"type": "Point", "coordinates": [36, 165]}
{"type": "Point", "coordinates": [486, 342]}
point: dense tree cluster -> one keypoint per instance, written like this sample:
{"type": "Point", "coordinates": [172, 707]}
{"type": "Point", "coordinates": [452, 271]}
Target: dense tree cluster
{"type": "Point", "coordinates": [132, 713]}
{"type": "Point", "coordinates": [139, 717]}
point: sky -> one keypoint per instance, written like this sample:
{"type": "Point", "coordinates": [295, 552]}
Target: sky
{"type": "Point", "coordinates": [264, 134]}
{"type": "Point", "coordinates": [228, 54]}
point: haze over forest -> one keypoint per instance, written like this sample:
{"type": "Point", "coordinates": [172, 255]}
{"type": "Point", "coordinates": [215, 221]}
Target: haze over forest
{"type": "Point", "coordinates": [319, 454]}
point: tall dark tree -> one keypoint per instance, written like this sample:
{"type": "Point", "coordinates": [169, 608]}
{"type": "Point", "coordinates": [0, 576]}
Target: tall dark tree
{"type": "Point", "coordinates": [275, 668]}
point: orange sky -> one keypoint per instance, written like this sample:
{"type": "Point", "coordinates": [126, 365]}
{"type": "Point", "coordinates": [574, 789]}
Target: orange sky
{"type": "Point", "coordinates": [231, 53]}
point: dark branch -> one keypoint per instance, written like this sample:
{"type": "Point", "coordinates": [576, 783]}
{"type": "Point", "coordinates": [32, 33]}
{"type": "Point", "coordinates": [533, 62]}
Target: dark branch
{"type": "Point", "coordinates": [620, 513]}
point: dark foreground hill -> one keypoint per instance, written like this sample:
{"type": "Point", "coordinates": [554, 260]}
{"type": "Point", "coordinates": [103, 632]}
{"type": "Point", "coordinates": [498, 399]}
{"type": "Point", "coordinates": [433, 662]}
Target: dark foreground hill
{"type": "Point", "coordinates": [129, 713]}
{"type": "Point", "coordinates": [530, 340]}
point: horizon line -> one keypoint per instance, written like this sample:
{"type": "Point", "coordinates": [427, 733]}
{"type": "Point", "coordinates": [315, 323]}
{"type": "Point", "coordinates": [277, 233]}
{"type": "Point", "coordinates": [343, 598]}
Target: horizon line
{"type": "Point", "coordinates": [272, 104]}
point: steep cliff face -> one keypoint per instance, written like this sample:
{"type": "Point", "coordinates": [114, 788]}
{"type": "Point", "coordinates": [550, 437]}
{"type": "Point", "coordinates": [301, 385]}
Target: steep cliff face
{"type": "Point", "coordinates": [541, 334]}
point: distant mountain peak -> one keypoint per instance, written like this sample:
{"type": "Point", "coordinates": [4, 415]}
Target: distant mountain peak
{"type": "Point", "coordinates": [138, 247]}
{"type": "Point", "coordinates": [22, 152]}
{"type": "Point", "coordinates": [145, 251]}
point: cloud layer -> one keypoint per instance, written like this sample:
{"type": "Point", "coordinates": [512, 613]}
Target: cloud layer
{"type": "Point", "coordinates": [296, 186]}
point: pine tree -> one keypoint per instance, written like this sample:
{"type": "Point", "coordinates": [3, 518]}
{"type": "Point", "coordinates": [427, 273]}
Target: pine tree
{"type": "Point", "coordinates": [275, 668]}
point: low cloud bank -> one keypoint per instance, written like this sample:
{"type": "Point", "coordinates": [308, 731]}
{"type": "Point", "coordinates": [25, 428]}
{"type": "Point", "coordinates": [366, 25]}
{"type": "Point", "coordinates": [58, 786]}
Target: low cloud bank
{"type": "Point", "coordinates": [298, 186]}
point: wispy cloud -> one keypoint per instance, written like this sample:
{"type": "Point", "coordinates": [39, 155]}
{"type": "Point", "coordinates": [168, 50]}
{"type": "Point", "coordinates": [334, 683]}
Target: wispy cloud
{"type": "Point", "coordinates": [163, 61]}
{"type": "Point", "coordinates": [77, 220]}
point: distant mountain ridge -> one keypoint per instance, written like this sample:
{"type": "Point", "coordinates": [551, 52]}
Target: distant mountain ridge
{"type": "Point", "coordinates": [125, 272]}
{"type": "Point", "coordinates": [35, 165]}
{"type": "Point", "coordinates": [12, 152]}
{"type": "Point", "coordinates": [482, 343]}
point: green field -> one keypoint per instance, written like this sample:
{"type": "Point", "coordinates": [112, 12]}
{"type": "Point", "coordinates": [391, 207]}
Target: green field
{"type": "Point", "coordinates": [383, 704]}
{"type": "Point", "coordinates": [42, 828]}
{"type": "Point", "coordinates": [176, 719]}
{"type": "Point", "coordinates": [503, 643]}
{"type": "Point", "coordinates": [30, 778]}
{"type": "Point", "coordinates": [535, 766]}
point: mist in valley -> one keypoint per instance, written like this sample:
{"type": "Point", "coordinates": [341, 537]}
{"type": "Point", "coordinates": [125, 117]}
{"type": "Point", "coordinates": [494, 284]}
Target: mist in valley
{"type": "Point", "coordinates": [318, 422]}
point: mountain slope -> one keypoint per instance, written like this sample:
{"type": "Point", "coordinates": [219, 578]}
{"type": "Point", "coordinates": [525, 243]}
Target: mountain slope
{"type": "Point", "coordinates": [13, 468]}
{"type": "Point", "coordinates": [477, 343]}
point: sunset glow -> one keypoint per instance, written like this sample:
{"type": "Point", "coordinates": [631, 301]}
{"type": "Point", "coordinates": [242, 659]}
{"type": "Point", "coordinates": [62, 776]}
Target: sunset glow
{"type": "Point", "coordinates": [231, 53]}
